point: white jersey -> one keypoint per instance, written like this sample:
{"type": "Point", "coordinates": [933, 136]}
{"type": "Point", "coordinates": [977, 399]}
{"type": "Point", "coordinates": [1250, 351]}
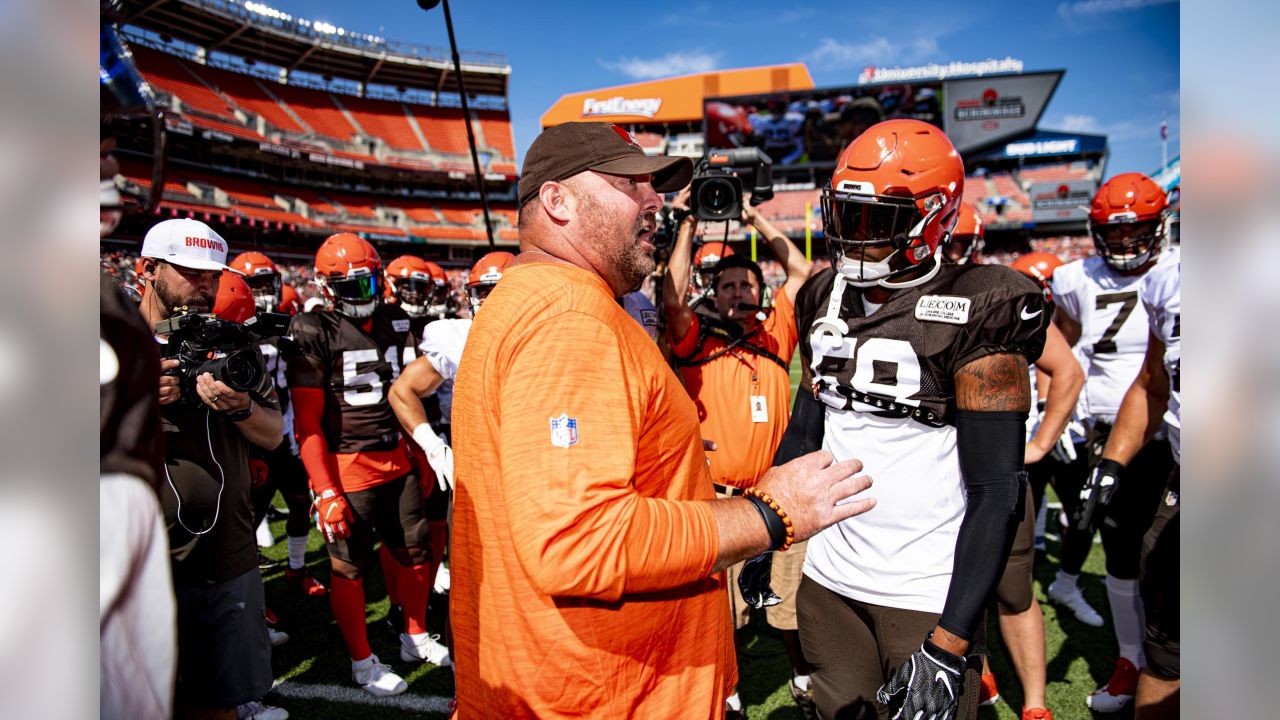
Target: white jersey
{"type": "Point", "coordinates": [641, 309]}
{"type": "Point", "coordinates": [878, 558]}
{"type": "Point", "coordinates": [1162, 296]}
{"type": "Point", "coordinates": [276, 371]}
{"type": "Point", "coordinates": [442, 344]}
{"type": "Point", "coordinates": [1113, 329]}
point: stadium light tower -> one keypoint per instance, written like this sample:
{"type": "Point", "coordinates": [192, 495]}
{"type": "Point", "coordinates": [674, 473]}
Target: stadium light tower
{"type": "Point", "coordinates": [429, 5]}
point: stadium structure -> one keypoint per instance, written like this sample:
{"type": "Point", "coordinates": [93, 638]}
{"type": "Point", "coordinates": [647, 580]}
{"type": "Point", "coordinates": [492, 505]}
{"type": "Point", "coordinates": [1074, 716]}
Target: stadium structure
{"type": "Point", "coordinates": [1032, 185]}
{"type": "Point", "coordinates": [282, 130]}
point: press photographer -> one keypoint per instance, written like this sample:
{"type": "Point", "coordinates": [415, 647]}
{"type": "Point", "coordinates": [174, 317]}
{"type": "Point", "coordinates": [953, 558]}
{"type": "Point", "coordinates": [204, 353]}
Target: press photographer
{"type": "Point", "coordinates": [733, 353]}
{"type": "Point", "coordinates": [224, 657]}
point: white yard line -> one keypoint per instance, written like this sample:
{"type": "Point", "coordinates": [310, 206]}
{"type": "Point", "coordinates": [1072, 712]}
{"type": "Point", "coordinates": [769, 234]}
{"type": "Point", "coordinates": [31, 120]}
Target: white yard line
{"type": "Point", "coordinates": [355, 696]}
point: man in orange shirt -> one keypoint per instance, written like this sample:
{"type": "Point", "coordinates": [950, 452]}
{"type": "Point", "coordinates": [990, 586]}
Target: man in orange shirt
{"type": "Point", "coordinates": [734, 355]}
{"type": "Point", "coordinates": [587, 538]}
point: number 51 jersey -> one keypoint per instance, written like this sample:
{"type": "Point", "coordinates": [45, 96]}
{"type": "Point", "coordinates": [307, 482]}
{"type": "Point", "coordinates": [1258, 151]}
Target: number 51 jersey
{"type": "Point", "coordinates": [886, 377]}
{"type": "Point", "coordinates": [356, 369]}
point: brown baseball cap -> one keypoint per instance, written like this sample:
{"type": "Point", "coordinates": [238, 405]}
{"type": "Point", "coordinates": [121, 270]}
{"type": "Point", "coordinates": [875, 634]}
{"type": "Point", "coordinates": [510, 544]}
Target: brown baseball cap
{"type": "Point", "coordinates": [565, 150]}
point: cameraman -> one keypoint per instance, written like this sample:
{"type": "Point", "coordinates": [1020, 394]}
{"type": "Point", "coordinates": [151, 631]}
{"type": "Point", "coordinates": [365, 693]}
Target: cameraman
{"type": "Point", "coordinates": [224, 657]}
{"type": "Point", "coordinates": [733, 354]}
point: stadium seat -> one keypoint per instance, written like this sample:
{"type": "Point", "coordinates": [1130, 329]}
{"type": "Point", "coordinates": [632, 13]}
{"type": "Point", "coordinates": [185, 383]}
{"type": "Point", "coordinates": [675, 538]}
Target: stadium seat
{"type": "Point", "coordinates": [496, 129]}
{"type": "Point", "coordinates": [444, 130]}
{"type": "Point", "coordinates": [386, 120]}
{"type": "Point", "coordinates": [316, 108]}
{"type": "Point", "coordinates": [171, 75]}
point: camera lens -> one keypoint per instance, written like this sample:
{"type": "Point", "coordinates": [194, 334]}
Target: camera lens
{"type": "Point", "coordinates": [240, 370]}
{"type": "Point", "coordinates": [716, 195]}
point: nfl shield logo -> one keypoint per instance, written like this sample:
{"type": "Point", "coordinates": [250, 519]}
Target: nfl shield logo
{"type": "Point", "coordinates": [564, 431]}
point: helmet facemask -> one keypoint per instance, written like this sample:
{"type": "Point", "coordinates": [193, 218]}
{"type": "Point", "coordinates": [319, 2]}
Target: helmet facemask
{"type": "Point", "coordinates": [856, 220]}
{"type": "Point", "coordinates": [1127, 243]}
{"type": "Point", "coordinates": [476, 295]}
{"type": "Point", "coordinates": [266, 288]}
{"type": "Point", "coordinates": [355, 295]}
{"type": "Point", "coordinates": [418, 294]}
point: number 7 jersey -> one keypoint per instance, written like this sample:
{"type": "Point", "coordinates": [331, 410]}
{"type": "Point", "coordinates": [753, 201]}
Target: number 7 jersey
{"type": "Point", "coordinates": [355, 368]}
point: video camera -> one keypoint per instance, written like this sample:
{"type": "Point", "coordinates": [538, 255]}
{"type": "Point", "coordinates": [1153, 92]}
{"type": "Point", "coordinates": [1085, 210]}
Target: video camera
{"type": "Point", "coordinates": [227, 350]}
{"type": "Point", "coordinates": [719, 180]}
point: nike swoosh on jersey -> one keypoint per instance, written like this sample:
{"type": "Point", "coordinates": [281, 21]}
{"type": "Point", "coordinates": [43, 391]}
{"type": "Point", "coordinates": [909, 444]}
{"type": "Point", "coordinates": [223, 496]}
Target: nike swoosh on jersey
{"type": "Point", "coordinates": [1025, 316]}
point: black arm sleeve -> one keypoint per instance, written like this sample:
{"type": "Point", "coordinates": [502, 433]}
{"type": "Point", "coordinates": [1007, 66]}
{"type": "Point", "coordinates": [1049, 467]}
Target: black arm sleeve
{"type": "Point", "coordinates": [804, 430]}
{"type": "Point", "coordinates": [991, 446]}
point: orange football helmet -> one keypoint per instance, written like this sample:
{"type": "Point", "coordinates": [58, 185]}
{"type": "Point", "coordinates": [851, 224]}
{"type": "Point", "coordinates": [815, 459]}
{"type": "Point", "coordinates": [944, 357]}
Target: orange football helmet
{"type": "Point", "coordinates": [348, 273]}
{"type": "Point", "coordinates": [234, 300]}
{"type": "Point", "coordinates": [897, 185]}
{"type": "Point", "coordinates": [965, 243]}
{"type": "Point", "coordinates": [263, 277]}
{"type": "Point", "coordinates": [705, 259]}
{"type": "Point", "coordinates": [484, 275]}
{"type": "Point", "coordinates": [290, 301]}
{"type": "Point", "coordinates": [1127, 220]}
{"type": "Point", "coordinates": [420, 286]}
{"type": "Point", "coordinates": [1038, 266]}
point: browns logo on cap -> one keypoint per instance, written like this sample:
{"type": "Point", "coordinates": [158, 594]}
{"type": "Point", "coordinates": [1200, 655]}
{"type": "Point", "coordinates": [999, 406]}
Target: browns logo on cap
{"type": "Point", "coordinates": [565, 150]}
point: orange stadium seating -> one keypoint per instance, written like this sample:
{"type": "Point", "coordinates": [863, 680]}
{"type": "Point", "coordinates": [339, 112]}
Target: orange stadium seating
{"type": "Point", "coordinates": [506, 168]}
{"type": "Point", "coordinates": [226, 127]}
{"type": "Point", "coordinates": [375, 229]}
{"type": "Point", "coordinates": [449, 233]}
{"type": "Point", "coordinates": [140, 174]}
{"type": "Point", "coordinates": [444, 130]}
{"type": "Point", "coordinates": [790, 204]}
{"type": "Point", "coordinates": [424, 215]}
{"type": "Point", "coordinates": [249, 95]}
{"type": "Point", "coordinates": [355, 205]}
{"type": "Point", "coordinates": [171, 75]}
{"type": "Point", "coordinates": [496, 128]}
{"type": "Point", "coordinates": [1006, 186]}
{"type": "Point", "coordinates": [317, 110]}
{"type": "Point", "coordinates": [460, 215]}
{"type": "Point", "coordinates": [383, 119]}
{"type": "Point", "coordinates": [270, 215]}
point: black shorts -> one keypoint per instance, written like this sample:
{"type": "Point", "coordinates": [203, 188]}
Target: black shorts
{"type": "Point", "coordinates": [1134, 505]}
{"type": "Point", "coordinates": [285, 471]}
{"type": "Point", "coordinates": [1160, 584]}
{"type": "Point", "coordinates": [224, 655]}
{"type": "Point", "coordinates": [1014, 592]}
{"type": "Point", "coordinates": [436, 505]}
{"type": "Point", "coordinates": [853, 647]}
{"type": "Point", "coordinates": [394, 510]}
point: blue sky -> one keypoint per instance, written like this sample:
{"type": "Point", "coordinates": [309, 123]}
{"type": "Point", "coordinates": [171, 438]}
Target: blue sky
{"type": "Point", "coordinates": [1121, 56]}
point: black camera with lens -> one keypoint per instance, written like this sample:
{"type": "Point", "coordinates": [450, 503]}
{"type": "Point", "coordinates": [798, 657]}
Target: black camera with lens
{"type": "Point", "coordinates": [227, 350]}
{"type": "Point", "coordinates": [721, 177]}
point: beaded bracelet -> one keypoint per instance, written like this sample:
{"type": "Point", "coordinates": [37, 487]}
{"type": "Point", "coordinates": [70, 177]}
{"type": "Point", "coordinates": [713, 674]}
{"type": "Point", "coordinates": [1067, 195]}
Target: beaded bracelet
{"type": "Point", "coordinates": [790, 536]}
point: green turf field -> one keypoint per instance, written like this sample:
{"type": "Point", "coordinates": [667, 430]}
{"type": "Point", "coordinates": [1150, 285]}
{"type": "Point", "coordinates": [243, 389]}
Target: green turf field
{"type": "Point", "coordinates": [1078, 655]}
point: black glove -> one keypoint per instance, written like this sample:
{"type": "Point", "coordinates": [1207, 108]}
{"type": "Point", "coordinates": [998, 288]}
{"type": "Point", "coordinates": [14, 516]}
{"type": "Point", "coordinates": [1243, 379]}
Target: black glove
{"type": "Point", "coordinates": [754, 580]}
{"type": "Point", "coordinates": [926, 687]}
{"type": "Point", "coordinates": [1097, 493]}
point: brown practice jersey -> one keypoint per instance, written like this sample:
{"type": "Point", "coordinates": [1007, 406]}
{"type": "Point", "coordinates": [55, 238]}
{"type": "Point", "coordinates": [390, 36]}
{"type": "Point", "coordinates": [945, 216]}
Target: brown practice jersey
{"type": "Point", "coordinates": [901, 360]}
{"type": "Point", "coordinates": [355, 367]}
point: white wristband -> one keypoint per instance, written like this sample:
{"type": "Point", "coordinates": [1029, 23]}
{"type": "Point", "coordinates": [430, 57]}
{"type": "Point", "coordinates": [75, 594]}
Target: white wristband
{"type": "Point", "coordinates": [426, 438]}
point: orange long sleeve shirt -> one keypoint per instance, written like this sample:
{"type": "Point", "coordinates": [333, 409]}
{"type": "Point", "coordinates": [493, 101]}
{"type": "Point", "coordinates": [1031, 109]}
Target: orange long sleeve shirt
{"type": "Point", "coordinates": [581, 556]}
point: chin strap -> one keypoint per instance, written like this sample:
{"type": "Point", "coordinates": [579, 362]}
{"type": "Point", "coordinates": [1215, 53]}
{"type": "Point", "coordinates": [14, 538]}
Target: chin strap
{"type": "Point", "coordinates": [913, 282]}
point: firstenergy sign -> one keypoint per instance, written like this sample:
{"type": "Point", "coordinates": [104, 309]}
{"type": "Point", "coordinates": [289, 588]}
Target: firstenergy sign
{"type": "Point", "coordinates": [644, 107]}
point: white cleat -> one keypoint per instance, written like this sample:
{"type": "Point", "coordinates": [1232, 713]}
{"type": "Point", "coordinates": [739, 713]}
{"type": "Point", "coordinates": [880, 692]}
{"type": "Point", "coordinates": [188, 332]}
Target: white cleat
{"type": "Point", "coordinates": [277, 637]}
{"type": "Point", "coordinates": [442, 581]}
{"type": "Point", "coordinates": [259, 711]}
{"type": "Point", "coordinates": [426, 649]}
{"type": "Point", "coordinates": [1118, 691]}
{"type": "Point", "coordinates": [376, 678]}
{"type": "Point", "coordinates": [1069, 596]}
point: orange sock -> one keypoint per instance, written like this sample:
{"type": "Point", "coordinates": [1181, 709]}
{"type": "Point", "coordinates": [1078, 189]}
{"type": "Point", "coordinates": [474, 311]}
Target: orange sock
{"type": "Point", "coordinates": [415, 584]}
{"type": "Point", "coordinates": [390, 574]}
{"type": "Point", "coordinates": [346, 597]}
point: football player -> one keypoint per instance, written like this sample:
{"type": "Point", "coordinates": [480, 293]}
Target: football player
{"type": "Point", "coordinates": [431, 376]}
{"type": "Point", "coordinates": [705, 259]}
{"type": "Point", "coordinates": [920, 369]}
{"type": "Point", "coordinates": [420, 287]}
{"type": "Point", "coordinates": [966, 241]}
{"type": "Point", "coordinates": [1155, 393]}
{"type": "Point", "coordinates": [1099, 312]}
{"type": "Point", "coordinates": [354, 454]}
{"type": "Point", "coordinates": [281, 468]}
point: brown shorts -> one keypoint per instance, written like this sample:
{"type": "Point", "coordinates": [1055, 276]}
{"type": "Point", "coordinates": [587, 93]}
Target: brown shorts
{"type": "Point", "coordinates": [394, 509]}
{"type": "Point", "coordinates": [1013, 593]}
{"type": "Point", "coordinates": [853, 647]}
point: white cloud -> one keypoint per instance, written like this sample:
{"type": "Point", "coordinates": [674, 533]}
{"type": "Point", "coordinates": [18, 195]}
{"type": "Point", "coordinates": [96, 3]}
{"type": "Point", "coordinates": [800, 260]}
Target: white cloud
{"type": "Point", "coordinates": [1088, 8]}
{"type": "Point", "coordinates": [832, 54]}
{"type": "Point", "coordinates": [1076, 123]}
{"type": "Point", "coordinates": [676, 63]}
